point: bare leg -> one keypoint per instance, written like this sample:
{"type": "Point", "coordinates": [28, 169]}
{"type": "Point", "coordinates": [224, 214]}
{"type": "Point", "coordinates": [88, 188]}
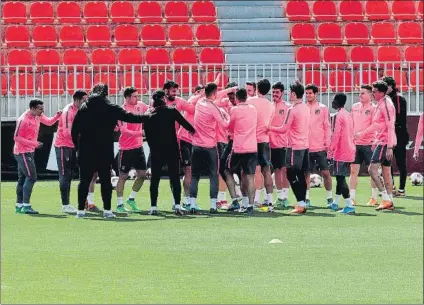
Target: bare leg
{"type": "Point", "coordinates": [328, 182]}
{"type": "Point", "coordinates": [187, 181]}
{"type": "Point", "coordinates": [354, 172]}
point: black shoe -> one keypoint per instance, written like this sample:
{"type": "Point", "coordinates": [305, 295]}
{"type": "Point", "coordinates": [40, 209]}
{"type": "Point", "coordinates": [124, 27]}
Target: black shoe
{"type": "Point", "coordinates": [213, 211]}
{"type": "Point", "coordinates": [179, 212]}
{"type": "Point", "coordinates": [193, 211]}
{"type": "Point", "coordinates": [29, 210]}
{"type": "Point", "coordinates": [234, 206]}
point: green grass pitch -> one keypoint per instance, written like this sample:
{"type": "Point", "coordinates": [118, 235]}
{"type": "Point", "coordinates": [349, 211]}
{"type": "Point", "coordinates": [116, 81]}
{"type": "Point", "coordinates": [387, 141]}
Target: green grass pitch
{"type": "Point", "coordinates": [373, 257]}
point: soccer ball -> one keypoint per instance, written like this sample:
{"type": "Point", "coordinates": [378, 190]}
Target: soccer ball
{"type": "Point", "coordinates": [114, 181]}
{"type": "Point", "coordinates": [132, 174]}
{"type": "Point", "coordinates": [236, 179]}
{"type": "Point", "coordinates": [315, 180]}
{"type": "Point", "coordinates": [416, 179]}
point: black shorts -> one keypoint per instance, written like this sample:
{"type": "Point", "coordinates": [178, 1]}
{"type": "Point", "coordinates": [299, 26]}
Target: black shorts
{"type": "Point", "coordinates": [278, 157]}
{"type": "Point", "coordinates": [318, 160]}
{"type": "Point", "coordinates": [246, 162]}
{"type": "Point", "coordinates": [363, 154]}
{"type": "Point", "coordinates": [264, 154]}
{"type": "Point", "coordinates": [221, 148]}
{"type": "Point", "coordinates": [186, 152]}
{"type": "Point", "coordinates": [379, 156]}
{"type": "Point", "coordinates": [341, 168]}
{"type": "Point", "coordinates": [297, 159]}
{"type": "Point", "coordinates": [132, 158]}
{"type": "Point", "coordinates": [205, 160]}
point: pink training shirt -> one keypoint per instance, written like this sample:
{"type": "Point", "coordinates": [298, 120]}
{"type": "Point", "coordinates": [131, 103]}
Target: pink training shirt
{"type": "Point", "coordinates": [63, 136]}
{"type": "Point", "coordinates": [278, 140]}
{"type": "Point", "coordinates": [265, 111]}
{"type": "Point", "coordinates": [362, 115]}
{"type": "Point", "coordinates": [342, 147]}
{"type": "Point", "coordinates": [296, 126]}
{"type": "Point", "coordinates": [222, 132]}
{"type": "Point", "coordinates": [131, 134]}
{"type": "Point", "coordinates": [27, 128]}
{"type": "Point", "coordinates": [319, 127]}
{"type": "Point", "coordinates": [189, 107]}
{"type": "Point", "coordinates": [206, 117]}
{"type": "Point", "coordinates": [243, 121]}
{"type": "Point", "coordinates": [420, 134]}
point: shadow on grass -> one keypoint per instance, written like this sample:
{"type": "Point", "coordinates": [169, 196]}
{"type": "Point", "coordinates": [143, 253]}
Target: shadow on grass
{"type": "Point", "coordinates": [122, 219]}
{"type": "Point", "coordinates": [396, 211]}
{"type": "Point", "coordinates": [413, 198]}
{"type": "Point", "coordinates": [41, 215]}
{"type": "Point", "coordinates": [363, 214]}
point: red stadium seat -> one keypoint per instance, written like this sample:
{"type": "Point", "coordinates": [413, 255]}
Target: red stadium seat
{"type": "Point", "coordinates": [126, 35]}
{"type": "Point", "coordinates": [357, 33]}
{"type": "Point", "coordinates": [103, 59]}
{"type": "Point", "coordinates": [180, 35]}
{"type": "Point", "coordinates": [78, 81]}
{"type": "Point", "coordinates": [50, 84]}
{"type": "Point", "coordinates": [399, 77]}
{"type": "Point", "coordinates": [404, 10]}
{"type": "Point", "coordinates": [21, 58]}
{"type": "Point", "coordinates": [71, 36]}
{"type": "Point", "coordinates": [341, 81]}
{"type": "Point", "coordinates": [203, 11]}
{"type": "Point", "coordinates": [157, 79]}
{"type": "Point", "coordinates": [136, 80]}
{"type": "Point", "coordinates": [176, 11]}
{"type": "Point", "coordinates": [389, 56]}
{"type": "Point", "coordinates": [335, 55]}
{"type": "Point", "coordinates": [49, 59]}
{"type": "Point", "coordinates": [22, 84]}
{"type": "Point", "coordinates": [324, 11]}
{"type": "Point", "coordinates": [153, 35]}
{"type": "Point", "coordinates": [2, 60]}
{"type": "Point", "coordinates": [14, 12]}
{"type": "Point", "coordinates": [75, 58]}
{"type": "Point", "coordinates": [157, 57]}
{"type": "Point", "coordinates": [211, 56]}
{"type": "Point", "coordinates": [303, 33]}
{"type": "Point", "coordinates": [68, 12]}
{"type": "Point", "coordinates": [183, 79]}
{"type": "Point", "coordinates": [184, 57]}
{"type": "Point", "coordinates": [362, 55]}
{"type": "Point", "coordinates": [330, 33]}
{"type": "Point", "coordinates": [44, 36]}
{"type": "Point", "coordinates": [41, 12]}
{"type": "Point", "coordinates": [351, 10]}
{"type": "Point", "coordinates": [377, 10]}
{"type": "Point", "coordinates": [414, 54]}
{"type": "Point", "coordinates": [298, 10]}
{"type": "Point", "coordinates": [130, 57]}
{"type": "Point", "coordinates": [383, 32]}
{"type": "Point", "coordinates": [413, 80]}
{"type": "Point", "coordinates": [308, 55]}
{"type": "Point", "coordinates": [149, 11]}
{"type": "Point", "coordinates": [420, 10]}
{"type": "Point", "coordinates": [109, 79]}
{"type": "Point", "coordinates": [211, 76]}
{"type": "Point", "coordinates": [208, 35]}
{"type": "Point", "coordinates": [96, 12]}
{"type": "Point", "coordinates": [17, 36]}
{"type": "Point", "coordinates": [98, 36]}
{"type": "Point", "coordinates": [410, 32]}
{"type": "Point", "coordinates": [122, 12]}
{"type": "Point", "coordinates": [3, 84]}
{"type": "Point", "coordinates": [317, 78]}
{"type": "Point", "coordinates": [365, 77]}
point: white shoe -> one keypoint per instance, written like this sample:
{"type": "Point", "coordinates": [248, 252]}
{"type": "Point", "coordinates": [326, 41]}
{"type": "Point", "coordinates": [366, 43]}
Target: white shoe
{"type": "Point", "coordinates": [153, 211]}
{"type": "Point", "coordinates": [69, 209]}
{"type": "Point", "coordinates": [108, 214]}
{"type": "Point", "coordinates": [80, 214]}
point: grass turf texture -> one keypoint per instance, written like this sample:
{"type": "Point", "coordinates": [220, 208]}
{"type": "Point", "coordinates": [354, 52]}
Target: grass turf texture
{"type": "Point", "coordinates": [324, 257]}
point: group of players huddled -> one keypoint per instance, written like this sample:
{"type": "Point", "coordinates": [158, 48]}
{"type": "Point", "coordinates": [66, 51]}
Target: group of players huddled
{"type": "Point", "coordinates": [233, 133]}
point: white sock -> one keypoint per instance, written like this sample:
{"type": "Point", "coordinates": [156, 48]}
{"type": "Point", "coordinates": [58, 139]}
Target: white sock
{"type": "Point", "coordinates": [120, 201]}
{"type": "Point", "coordinates": [329, 194]}
{"type": "Point", "coordinates": [222, 196]}
{"type": "Point", "coordinates": [257, 195]}
{"type": "Point", "coordinates": [177, 207]}
{"type": "Point", "coordinates": [270, 198]}
{"type": "Point", "coordinates": [263, 191]}
{"type": "Point", "coordinates": [307, 194]}
{"type": "Point", "coordinates": [107, 211]}
{"type": "Point", "coordinates": [213, 203]}
{"type": "Point", "coordinates": [391, 197]}
{"type": "Point", "coordinates": [26, 204]}
{"type": "Point", "coordinates": [349, 203]}
{"type": "Point", "coordinates": [374, 193]}
{"type": "Point", "coordinates": [90, 198]}
{"type": "Point", "coordinates": [81, 212]}
{"type": "Point", "coordinates": [352, 194]}
{"type": "Point", "coordinates": [133, 195]}
{"type": "Point", "coordinates": [19, 205]}
{"type": "Point", "coordinates": [302, 204]}
{"type": "Point", "coordinates": [186, 200]}
{"type": "Point", "coordinates": [192, 203]}
{"type": "Point", "coordinates": [153, 208]}
{"type": "Point", "coordinates": [280, 194]}
{"type": "Point", "coordinates": [385, 195]}
{"type": "Point", "coordinates": [337, 200]}
{"type": "Point", "coordinates": [245, 202]}
{"type": "Point", "coordinates": [238, 191]}
{"type": "Point", "coordinates": [285, 193]}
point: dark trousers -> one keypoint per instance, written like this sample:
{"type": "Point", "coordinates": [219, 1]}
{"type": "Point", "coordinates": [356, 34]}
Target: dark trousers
{"type": "Point", "coordinates": [64, 158]}
{"type": "Point", "coordinates": [297, 181]}
{"type": "Point", "coordinates": [87, 169]}
{"type": "Point", "coordinates": [342, 188]}
{"type": "Point", "coordinates": [204, 159]}
{"type": "Point", "coordinates": [172, 161]}
{"type": "Point", "coordinates": [399, 153]}
{"type": "Point", "coordinates": [27, 176]}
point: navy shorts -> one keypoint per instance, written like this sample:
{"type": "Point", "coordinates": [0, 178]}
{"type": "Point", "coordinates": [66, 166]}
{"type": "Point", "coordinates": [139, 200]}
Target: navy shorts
{"type": "Point", "coordinates": [264, 154]}
{"type": "Point", "coordinates": [379, 156]}
{"type": "Point", "coordinates": [132, 158]}
{"type": "Point", "coordinates": [297, 159]}
{"type": "Point", "coordinates": [318, 160]}
{"type": "Point", "coordinates": [278, 157]}
{"type": "Point", "coordinates": [363, 154]}
{"type": "Point", "coordinates": [186, 152]}
{"type": "Point", "coordinates": [341, 168]}
{"type": "Point", "coordinates": [246, 162]}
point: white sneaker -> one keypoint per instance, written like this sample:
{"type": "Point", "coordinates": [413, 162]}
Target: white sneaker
{"type": "Point", "coordinates": [69, 209]}
{"type": "Point", "coordinates": [80, 214]}
{"type": "Point", "coordinates": [153, 211]}
{"type": "Point", "coordinates": [108, 214]}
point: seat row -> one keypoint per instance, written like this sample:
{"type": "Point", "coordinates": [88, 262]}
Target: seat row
{"type": "Point", "coordinates": [22, 59]}
{"type": "Point", "coordinates": [101, 35]}
{"type": "Point", "coordinates": [385, 55]}
{"type": "Point", "coordinates": [57, 83]}
{"type": "Point", "coordinates": [357, 33]}
{"type": "Point", "coordinates": [102, 12]}
{"type": "Point", "coordinates": [354, 10]}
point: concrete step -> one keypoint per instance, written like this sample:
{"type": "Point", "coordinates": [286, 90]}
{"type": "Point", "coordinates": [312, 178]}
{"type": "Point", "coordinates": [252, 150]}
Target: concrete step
{"type": "Point", "coordinates": [255, 24]}
{"type": "Point", "coordinates": [255, 35]}
{"type": "Point", "coordinates": [238, 3]}
{"type": "Point", "coordinates": [249, 12]}
{"type": "Point", "coordinates": [256, 58]}
{"type": "Point", "coordinates": [249, 48]}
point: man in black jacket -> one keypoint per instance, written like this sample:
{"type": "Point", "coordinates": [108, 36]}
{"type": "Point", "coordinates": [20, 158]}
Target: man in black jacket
{"type": "Point", "coordinates": [164, 148]}
{"type": "Point", "coordinates": [402, 135]}
{"type": "Point", "coordinates": [92, 135]}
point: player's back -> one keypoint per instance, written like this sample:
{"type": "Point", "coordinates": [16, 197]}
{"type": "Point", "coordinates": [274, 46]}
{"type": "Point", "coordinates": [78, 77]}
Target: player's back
{"type": "Point", "coordinates": [265, 110]}
{"type": "Point", "coordinates": [160, 129]}
{"type": "Point", "coordinates": [298, 135]}
{"type": "Point", "coordinates": [345, 148]}
{"type": "Point", "coordinates": [205, 124]}
{"type": "Point", "coordinates": [243, 123]}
